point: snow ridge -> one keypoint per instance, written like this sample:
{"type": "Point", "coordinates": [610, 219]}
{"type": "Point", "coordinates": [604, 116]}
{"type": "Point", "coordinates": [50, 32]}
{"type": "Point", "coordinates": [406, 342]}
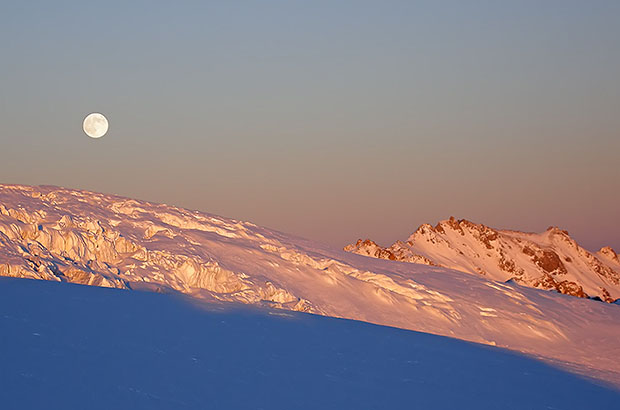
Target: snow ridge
{"type": "Point", "coordinates": [89, 238]}
{"type": "Point", "coordinates": [549, 260]}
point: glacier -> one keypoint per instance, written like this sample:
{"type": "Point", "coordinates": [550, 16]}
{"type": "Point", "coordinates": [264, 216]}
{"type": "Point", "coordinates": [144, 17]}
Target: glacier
{"type": "Point", "coordinates": [66, 235]}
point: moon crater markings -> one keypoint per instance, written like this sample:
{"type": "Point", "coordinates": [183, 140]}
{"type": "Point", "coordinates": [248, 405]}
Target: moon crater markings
{"type": "Point", "coordinates": [95, 125]}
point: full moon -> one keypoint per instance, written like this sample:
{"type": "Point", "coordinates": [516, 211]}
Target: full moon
{"type": "Point", "coordinates": [95, 125]}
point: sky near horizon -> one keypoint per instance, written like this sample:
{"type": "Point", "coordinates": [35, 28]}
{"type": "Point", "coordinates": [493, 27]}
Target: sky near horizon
{"type": "Point", "coordinates": [330, 120]}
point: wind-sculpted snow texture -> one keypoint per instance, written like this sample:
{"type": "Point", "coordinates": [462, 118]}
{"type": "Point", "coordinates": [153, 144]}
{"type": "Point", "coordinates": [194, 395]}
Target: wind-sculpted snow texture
{"type": "Point", "coordinates": [550, 260]}
{"type": "Point", "coordinates": [82, 237]}
{"type": "Point", "coordinates": [65, 346]}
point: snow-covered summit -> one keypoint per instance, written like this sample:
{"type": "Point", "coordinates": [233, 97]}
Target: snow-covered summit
{"type": "Point", "coordinates": [547, 260]}
{"type": "Point", "coordinates": [609, 254]}
{"type": "Point", "coordinates": [90, 238]}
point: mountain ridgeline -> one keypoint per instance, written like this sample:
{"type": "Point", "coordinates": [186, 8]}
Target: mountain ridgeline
{"type": "Point", "coordinates": [67, 235]}
{"type": "Point", "coordinates": [550, 260]}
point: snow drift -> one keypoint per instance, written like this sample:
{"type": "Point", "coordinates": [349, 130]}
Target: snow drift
{"type": "Point", "coordinates": [89, 238]}
{"type": "Point", "coordinates": [65, 346]}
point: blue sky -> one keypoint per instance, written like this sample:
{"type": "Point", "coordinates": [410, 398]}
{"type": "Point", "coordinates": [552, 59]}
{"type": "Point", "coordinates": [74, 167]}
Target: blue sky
{"type": "Point", "coordinates": [331, 120]}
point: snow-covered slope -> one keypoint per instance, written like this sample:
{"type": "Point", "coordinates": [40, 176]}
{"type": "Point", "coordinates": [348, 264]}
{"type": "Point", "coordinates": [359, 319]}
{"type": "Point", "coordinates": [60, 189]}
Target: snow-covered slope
{"type": "Point", "coordinates": [548, 260]}
{"type": "Point", "coordinates": [83, 237]}
{"type": "Point", "coordinates": [65, 346]}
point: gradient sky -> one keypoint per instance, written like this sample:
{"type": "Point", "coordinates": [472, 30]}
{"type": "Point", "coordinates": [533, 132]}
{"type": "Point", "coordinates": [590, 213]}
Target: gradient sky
{"type": "Point", "coordinates": [330, 120]}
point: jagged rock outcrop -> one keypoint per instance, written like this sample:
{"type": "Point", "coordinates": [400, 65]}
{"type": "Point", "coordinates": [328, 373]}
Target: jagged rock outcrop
{"type": "Point", "coordinates": [396, 253]}
{"type": "Point", "coordinates": [84, 237]}
{"type": "Point", "coordinates": [609, 254]}
{"type": "Point", "coordinates": [549, 260]}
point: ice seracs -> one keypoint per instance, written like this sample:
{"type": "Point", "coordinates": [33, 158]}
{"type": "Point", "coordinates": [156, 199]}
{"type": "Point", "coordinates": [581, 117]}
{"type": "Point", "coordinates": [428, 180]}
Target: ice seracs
{"type": "Point", "coordinates": [90, 238]}
{"type": "Point", "coordinates": [549, 260]}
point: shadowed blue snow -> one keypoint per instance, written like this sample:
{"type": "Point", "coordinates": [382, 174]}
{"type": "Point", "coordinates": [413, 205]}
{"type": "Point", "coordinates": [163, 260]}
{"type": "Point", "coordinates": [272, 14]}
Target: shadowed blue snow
{"type": "Point", "coordinates": [68, 346]}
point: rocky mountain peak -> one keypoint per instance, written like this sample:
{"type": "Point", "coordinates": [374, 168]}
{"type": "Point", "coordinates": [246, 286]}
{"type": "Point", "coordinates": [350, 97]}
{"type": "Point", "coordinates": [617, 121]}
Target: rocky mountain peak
{"type": "Point", "coordinates": [609, 253]}
{"type": "Point", "coordinates": [95, 239]}
{"type": "Point", "coordinates": [548, 260]}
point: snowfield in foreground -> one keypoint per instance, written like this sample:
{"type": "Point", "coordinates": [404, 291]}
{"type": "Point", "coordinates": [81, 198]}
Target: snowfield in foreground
{"type": "Point", "coordinates": [89, 238]}
{"type": "Point", "coordinates": [65, 346]}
